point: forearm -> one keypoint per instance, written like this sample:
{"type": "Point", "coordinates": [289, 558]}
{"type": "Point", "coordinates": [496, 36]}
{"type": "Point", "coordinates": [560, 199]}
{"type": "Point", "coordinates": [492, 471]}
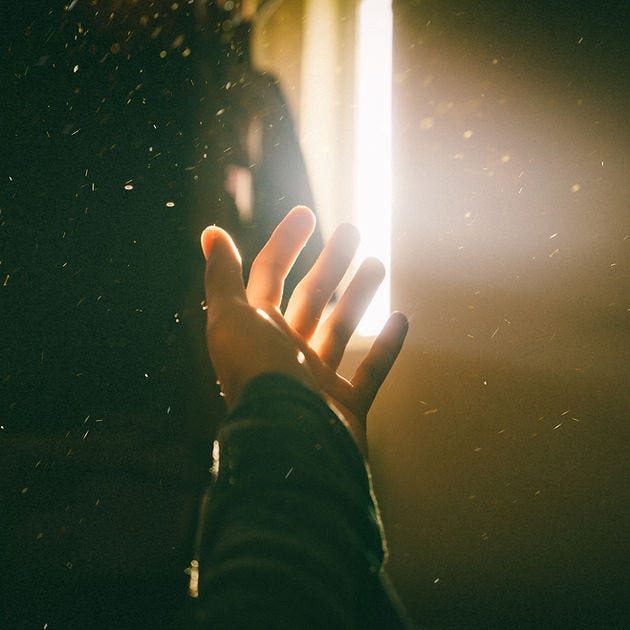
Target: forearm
{"type": "Point", "coordinates": [292, 536]}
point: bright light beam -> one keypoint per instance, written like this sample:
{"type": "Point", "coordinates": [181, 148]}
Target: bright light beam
{"type": "Point", "coordinates": [373, 174]}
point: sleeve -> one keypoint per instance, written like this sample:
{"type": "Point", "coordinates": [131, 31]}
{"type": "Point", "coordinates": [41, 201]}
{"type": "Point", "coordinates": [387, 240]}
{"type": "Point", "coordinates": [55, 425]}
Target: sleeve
{"type": "Point", "coordinates": [291, 536]}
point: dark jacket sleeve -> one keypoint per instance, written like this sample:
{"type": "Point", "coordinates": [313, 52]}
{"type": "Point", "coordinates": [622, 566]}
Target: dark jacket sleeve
{"type": "Point", "coordinates": [291, 534]}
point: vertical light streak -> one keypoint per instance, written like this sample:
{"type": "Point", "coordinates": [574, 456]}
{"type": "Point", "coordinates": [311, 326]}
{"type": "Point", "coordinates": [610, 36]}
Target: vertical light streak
{"type": "Point", "coordinates": [320, 48]}
{"type": "Point", "coordinates": [373, 187]}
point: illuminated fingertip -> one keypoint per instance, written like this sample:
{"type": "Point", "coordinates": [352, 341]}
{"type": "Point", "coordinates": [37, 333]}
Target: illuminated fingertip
{"type": "Point", "coordinates": [206, 240]}
{"type": "Point", "coordinates": [350, 232]}
{"type": "Point", "coordinates": [375, 265]}
{"type": "Point", "coordinates": [216, 238]}
{"type": "Point", "coordinates": [303, 209]}
{"type": "Point", "coordinates": [303, 215]}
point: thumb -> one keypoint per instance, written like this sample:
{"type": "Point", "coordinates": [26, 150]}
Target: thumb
{"type": "Point", "coordinates": [224, 273]}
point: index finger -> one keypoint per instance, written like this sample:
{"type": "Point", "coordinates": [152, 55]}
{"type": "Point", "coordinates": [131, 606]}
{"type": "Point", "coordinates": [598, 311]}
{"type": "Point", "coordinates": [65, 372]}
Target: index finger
{"type": "Point", "coordinates": [273, 263]}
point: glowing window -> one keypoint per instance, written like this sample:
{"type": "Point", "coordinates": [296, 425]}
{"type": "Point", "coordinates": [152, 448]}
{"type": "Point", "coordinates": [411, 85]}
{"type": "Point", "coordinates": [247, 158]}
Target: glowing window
{"type": "Point", "coordinates": [373, 187]}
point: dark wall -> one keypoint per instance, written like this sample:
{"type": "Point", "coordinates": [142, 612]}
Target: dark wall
{"type": "Point", "coordinates": [500, 444]}
{"type": "Point", "coordinates": [116, 127]}
{"type": "Point", "coordinates": [105, 428]}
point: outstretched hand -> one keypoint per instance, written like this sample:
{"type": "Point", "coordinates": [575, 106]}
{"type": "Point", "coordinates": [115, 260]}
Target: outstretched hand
{"type": "Point", "coordinates": [247, 334]}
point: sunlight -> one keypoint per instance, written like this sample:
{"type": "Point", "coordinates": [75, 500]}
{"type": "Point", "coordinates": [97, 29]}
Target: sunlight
{"type": "Point", "coordinates": [373, 188]}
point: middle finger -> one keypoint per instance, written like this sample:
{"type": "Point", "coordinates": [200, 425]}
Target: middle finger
{"type": "Point", "coordinates": [315, 290]}
{"type": "Point", "coordinates": [333, 335]}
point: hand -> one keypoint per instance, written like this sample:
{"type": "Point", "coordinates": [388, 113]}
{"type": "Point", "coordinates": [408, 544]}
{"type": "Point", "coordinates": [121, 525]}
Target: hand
{"type": "Point", "coordinates": [247, 335]}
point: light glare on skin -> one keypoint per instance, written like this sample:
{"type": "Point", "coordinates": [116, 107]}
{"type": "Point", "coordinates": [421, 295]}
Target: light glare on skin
{"type": "Point", "coordinates": [264, 315]}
